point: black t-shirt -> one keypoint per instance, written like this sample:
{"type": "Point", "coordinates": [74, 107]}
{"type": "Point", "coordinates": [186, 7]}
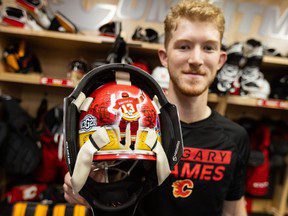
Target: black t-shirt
{"type": "Point", "coordinates": [211, 170]}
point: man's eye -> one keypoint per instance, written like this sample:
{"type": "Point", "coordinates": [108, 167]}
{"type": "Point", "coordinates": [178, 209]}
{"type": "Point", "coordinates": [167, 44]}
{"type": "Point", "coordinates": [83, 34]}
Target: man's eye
{"type": "Point", "coordinates": [184, 47]}
{"type": "Point", "coordinates": [209, 48]}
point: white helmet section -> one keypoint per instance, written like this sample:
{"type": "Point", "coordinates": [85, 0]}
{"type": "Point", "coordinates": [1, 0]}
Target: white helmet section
{"type": "Point", "coordinates": [161, 75]}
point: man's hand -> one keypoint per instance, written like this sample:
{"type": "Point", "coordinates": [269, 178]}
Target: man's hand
{"type": "Point", "coordinates": [69, 195]}
{"type": "Point", "coordinates": [234, 208]}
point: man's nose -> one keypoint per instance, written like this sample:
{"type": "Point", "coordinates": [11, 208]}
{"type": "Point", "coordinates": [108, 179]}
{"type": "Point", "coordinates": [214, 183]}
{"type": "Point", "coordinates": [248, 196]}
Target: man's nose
{"type": "Point", "coordinates": [195, 57]}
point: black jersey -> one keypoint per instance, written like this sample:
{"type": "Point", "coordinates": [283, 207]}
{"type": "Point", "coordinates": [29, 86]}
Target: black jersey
{"type": "Point", "coordinates": [211, 170]}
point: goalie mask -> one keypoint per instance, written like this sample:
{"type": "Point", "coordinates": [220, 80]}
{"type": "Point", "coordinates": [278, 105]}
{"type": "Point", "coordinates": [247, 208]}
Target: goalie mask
{"type": "Point", "coordinates": [122, 137]}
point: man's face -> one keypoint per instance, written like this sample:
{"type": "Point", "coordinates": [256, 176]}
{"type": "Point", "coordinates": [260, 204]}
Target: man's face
{"type": "Point", "coordinates": [193, 56]}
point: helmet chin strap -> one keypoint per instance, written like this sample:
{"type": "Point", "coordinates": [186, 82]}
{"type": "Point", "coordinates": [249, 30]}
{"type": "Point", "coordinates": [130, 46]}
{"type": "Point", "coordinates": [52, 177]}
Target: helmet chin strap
{"type": "Point", "coordinates": [162, 164]}
{"type": "Point", "coordinates": [84, 160]}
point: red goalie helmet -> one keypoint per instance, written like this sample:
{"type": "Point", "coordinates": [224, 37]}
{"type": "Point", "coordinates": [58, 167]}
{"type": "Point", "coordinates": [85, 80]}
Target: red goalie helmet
{"type": "Point", "coordinates": [122, 137]}
{"type": "Point", "coordinates": [127, 114]}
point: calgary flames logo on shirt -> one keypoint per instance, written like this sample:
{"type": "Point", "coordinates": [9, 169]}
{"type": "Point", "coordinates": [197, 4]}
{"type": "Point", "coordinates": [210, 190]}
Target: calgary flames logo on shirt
{"type": "Point", "coordinates": [200, 165]}
{"type": "Point", "coordinates": [182, 188]}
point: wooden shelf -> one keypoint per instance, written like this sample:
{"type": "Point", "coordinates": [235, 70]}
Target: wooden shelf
{"type": "Point", "coordinates": [96, 39]}
{"type": "Point", "coordinates": [249, 102]}
{"type": "Point", "coordinates": [75, 38]}
{"type": "Point", "coordinates": [57, 82]}
{"type": "Point", "coordinates": [254, 102]}
{"type": "Point", "coordinates": [280, 61]}
{"type": "Point", "coordinates": [55, 35]}
{"type": "Point", "coordinates": [31, 78]}
{"type": "Point", "coordinates": [35, 79]}
{"type": "Point", "coordinates": [144, 45]}
{"type": "Point", "coordinates": [213, 98]}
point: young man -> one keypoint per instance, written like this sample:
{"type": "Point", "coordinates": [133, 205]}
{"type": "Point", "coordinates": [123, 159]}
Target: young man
{"type": "Point", "coordinates": [209, 179]}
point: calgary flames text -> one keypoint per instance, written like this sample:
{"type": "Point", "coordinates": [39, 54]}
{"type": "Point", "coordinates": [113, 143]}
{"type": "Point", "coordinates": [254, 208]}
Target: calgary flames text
{"type": "Point", "coordinates": [209, 165]}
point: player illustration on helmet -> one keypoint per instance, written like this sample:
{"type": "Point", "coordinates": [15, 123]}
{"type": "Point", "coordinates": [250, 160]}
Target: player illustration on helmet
{"type": "Point", "coordinates": [128, 106]}
{"type": "Point", "coordinates": [122, 137]}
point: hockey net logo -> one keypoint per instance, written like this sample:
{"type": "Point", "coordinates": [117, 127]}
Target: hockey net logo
{"type": "Point", "coordinates": [182, 188]}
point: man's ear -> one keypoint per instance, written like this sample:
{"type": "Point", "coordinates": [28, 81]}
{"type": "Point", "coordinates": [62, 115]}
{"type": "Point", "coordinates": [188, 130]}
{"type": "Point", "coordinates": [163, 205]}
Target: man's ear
{"type": "Point", "coordinates": [222, 59]}
{"type": "Point", "coordinates": [163, 57]}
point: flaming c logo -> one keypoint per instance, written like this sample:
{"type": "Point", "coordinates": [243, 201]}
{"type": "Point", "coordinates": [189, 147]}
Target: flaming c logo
{"type": "Point", "coordinates": [182, 188]}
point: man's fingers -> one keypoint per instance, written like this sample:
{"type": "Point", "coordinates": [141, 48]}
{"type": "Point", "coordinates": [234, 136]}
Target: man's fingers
{"type": "Point", "coordinates": [70, 199]}
{"type": "Point", "coordinates": [73, 198]}
{"type": "Point", "coordinates": [67, 189]}
{"type": "Point", "coordinates": [69, 195]}
{"type": "Point", "coordinates": [67, 179]}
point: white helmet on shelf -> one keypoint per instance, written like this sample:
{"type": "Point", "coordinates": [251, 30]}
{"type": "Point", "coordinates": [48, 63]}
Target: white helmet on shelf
{"type": "Point", "coordinates": [161, 75]}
